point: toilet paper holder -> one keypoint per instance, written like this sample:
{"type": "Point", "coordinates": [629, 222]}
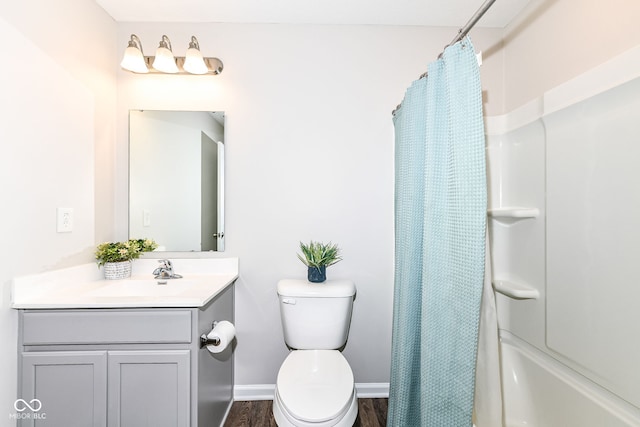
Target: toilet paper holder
{"type": "Point", "coordinates": [205, 340]}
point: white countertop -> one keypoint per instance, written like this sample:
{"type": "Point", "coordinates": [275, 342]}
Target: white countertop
{"type": "Point", "coordinates": [84, 286]}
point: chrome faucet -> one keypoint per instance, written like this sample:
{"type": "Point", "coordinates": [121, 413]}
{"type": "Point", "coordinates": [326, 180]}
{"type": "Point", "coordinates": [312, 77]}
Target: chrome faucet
{"type": "Point", "coordinates": [165, 271]}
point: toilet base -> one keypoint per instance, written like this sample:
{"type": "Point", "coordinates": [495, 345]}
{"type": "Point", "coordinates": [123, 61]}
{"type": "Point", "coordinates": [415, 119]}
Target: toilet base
{"type": "Point", "coordinates": [284, 419]}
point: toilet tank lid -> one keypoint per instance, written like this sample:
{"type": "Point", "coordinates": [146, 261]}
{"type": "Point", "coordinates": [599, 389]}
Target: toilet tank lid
{"type": "Point", "coordinates": [328, 289]}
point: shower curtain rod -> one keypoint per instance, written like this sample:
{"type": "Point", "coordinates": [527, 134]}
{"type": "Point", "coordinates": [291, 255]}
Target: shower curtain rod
{"type": "Point", "coordinates": [462, 32]}
{"type": "Point", "coordinates": [472, 22]}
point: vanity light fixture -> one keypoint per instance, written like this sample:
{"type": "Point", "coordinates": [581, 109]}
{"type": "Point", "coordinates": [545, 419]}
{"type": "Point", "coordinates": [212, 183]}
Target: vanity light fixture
{"type": "Point", "coordinates": [135, 61]}
{"type": "Point", "coordinates": [194, 62]}
{"type": "Point", "coordinates": [164, 60]}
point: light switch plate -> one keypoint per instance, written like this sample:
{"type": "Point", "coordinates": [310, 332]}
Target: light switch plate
{"type": "Point", "coordinates": [64, 220]}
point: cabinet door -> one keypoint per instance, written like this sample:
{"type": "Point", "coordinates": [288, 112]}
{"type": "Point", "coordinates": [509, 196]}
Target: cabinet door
{"type": "Point", "coordinates": [71, 387]}
{"type": "Point", "coordinates": [149, 388]}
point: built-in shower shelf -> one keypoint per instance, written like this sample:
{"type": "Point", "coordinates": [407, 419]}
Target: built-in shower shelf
{"type": "Point", "coordinates": [513, 213]}
{"type": "Point", "coordinates": [515, 290]}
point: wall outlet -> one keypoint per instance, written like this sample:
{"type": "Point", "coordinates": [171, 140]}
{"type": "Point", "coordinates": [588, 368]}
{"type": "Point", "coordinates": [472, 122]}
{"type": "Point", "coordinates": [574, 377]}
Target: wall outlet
{"type": "Point", "coordinates": [64, 220]}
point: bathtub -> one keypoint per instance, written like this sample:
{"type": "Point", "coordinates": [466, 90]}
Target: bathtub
{"type": "Point", "coordinates": [539, 391]}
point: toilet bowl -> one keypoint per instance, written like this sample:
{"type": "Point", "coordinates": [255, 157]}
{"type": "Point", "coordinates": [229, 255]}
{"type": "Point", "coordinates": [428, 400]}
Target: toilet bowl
{"type": "Point", "coordinates": [315, 388]}
{"type": "Point", "coordinates": [315, 385]}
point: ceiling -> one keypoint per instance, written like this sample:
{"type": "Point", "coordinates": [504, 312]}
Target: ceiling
{"type": "Point", "coordinates": [453, 13]}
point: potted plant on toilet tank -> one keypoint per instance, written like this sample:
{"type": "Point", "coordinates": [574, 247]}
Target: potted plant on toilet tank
{"type": "Point", "coordinates": [317, 257]}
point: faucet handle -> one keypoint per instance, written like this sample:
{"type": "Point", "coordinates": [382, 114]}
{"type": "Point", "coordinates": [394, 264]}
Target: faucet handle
{"type": "Point", "coordinates": [165, 263]}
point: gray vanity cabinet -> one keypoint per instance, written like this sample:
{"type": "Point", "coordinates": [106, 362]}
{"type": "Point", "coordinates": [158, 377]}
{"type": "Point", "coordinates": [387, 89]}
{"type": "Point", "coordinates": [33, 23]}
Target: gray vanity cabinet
{"type": "Point", "coordinates": [71, 386]}
{"type": "Point", "coordinates": [125, 367]}
{"type": "Point", "coordinates": [149, 388]}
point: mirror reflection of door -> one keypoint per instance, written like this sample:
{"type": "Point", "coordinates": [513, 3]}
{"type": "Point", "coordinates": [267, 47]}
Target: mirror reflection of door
{"type": "Point", "coordinates": [220, 192]}
{"type": "Point", "coordinates": [209, 198]}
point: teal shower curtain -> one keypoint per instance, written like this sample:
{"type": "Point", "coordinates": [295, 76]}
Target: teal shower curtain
{"type": "Point", "coordinates": [440, 208]}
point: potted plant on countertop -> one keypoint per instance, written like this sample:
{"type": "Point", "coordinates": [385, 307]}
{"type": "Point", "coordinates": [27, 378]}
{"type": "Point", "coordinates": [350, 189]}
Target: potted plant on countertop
{"type": "Point", "coordinates": [317, 257]}
{"type": "Point", "coordinates": [116, 256]}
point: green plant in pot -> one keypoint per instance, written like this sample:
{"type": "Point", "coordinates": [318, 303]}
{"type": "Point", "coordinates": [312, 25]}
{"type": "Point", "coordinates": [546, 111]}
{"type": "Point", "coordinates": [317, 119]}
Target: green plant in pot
{"type": "Point", "coordinates": [317, 257]}
{"type": "Point", "coordinates": [116, 257]}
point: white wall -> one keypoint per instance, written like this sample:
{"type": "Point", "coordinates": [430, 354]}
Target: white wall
{"type": "Point", "coordinates": [553, 41]}
{"type": "Point", "coordinates": [309, 155]}
{"type": "Point", "coordinates": [56, 130]}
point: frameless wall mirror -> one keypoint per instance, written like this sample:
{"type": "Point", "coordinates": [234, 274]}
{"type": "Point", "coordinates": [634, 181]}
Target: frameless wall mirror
{"type": "Point", "coordinates": [176, 179]}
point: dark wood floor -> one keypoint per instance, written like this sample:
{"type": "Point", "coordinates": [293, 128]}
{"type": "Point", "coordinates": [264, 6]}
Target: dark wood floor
{"type": "Point", "coordinates": [258, 413]}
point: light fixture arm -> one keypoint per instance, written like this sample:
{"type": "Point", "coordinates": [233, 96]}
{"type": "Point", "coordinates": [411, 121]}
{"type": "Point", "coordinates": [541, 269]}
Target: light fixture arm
{"type": "Point", "coordinates": [136, 42]}
{"type": "Point", "coordinates": [165, 43]}
{"type": "Point", "coordinates": [194, 43]}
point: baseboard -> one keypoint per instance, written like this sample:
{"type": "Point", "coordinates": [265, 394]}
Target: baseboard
{"type": "Point", "coordinates": [266, 391]}
{"type": "Point", "coordinates": [372, 390]}
{"type": "Point", "coordinates": [254, 392]}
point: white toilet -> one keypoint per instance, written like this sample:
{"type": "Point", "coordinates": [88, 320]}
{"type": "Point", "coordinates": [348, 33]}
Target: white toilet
{"type": "Point", "coordinates": [315, 383]}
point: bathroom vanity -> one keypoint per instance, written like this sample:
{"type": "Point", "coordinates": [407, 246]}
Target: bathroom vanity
{"type": "Point", "coordinates": [124, 360]}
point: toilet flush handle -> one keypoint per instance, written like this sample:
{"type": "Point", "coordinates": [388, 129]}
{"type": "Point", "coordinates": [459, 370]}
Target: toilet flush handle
{"type": "Point", "coordinates": [291, 301]}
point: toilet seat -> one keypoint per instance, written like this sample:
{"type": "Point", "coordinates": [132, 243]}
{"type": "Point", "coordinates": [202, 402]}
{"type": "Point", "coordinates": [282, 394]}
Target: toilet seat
{"type": "Point", "coordinates": [315, 387]}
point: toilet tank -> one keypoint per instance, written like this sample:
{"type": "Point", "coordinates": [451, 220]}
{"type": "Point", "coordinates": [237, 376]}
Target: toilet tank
{"type": "Point", "coordinates": [316, 316]}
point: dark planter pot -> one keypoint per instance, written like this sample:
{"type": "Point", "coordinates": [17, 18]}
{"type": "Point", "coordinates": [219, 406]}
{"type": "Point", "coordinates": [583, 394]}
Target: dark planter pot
{"type": "Point", "coordinates": [317, 274]}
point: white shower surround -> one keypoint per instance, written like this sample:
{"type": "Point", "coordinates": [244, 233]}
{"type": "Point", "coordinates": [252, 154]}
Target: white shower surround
{"type": "Point", "coordinates": [553, 374]}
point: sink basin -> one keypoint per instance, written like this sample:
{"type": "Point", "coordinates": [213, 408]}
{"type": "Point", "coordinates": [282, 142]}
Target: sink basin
{"type": "Point", "coordinates": [143, 288]}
